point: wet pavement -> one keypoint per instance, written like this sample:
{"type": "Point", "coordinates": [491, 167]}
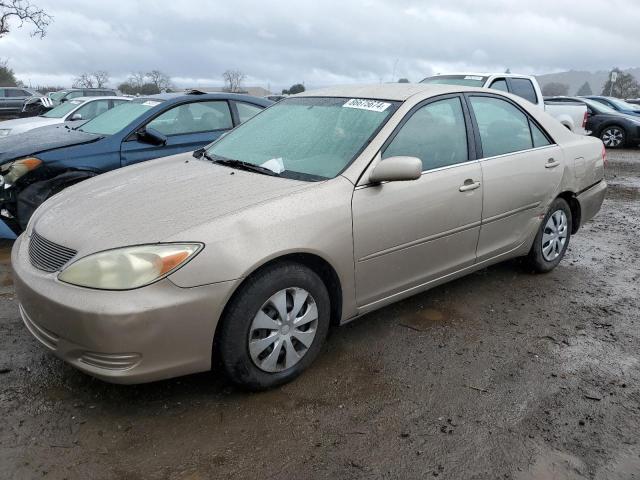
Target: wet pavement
{"type": "Point", "coordinates": [502, 374]}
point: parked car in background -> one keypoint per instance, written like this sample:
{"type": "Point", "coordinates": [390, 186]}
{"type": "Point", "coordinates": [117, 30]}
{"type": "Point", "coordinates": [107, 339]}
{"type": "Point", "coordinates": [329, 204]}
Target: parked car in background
{"type": "Point", "coordinates": [12, 99]}
{"type": "Point", "coordinates": [35, 165]}
{"type": "Point", "coordinates": [76, 110]}
{"type": "Point", "coordinates": [633, 101]}
{"type": "Point", "coordinates": [617, 104]}
{"type": "Point", "coordinates": [572, 116]}
{"type": "Point", "coordinates": [615, 129]}
{"type": "Point", "coordinates": [37, 106]}
{"type": "Point", "coordinates": [324, 207]}
{"type": "Point", "coordinates": [276, 97]}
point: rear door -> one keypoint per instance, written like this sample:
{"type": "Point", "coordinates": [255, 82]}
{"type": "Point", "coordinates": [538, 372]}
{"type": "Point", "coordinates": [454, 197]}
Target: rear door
{"type": "Point", "coordinates": [408, 233]}
{"type": "Point", "coordinates": [187, 126]}
{"type": "Point", "coordinates": [521, 169]}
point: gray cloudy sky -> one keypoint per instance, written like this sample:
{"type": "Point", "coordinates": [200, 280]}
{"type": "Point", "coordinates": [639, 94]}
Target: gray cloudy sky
{"type": "Point", "coordinates": [322, 42]}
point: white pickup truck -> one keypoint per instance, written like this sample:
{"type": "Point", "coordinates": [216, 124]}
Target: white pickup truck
{"type": "Point", "coordinates": [571, 115]}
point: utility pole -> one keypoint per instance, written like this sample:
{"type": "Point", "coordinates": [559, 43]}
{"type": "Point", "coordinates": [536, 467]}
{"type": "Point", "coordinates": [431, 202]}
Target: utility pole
{"type": "Point", "coordinates": [614, 77]}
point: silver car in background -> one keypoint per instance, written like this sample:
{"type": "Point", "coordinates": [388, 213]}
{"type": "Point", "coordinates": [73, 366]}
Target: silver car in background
{"type": "Point", "coordinates": [78, 109]}
{"type": "Point", "coordinates": [324, 207]}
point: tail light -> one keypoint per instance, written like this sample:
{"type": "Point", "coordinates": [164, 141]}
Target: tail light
{"type": "Point", "coordinates": [604, 156]}
{"type": "Point", "coordinates": [584, 120]}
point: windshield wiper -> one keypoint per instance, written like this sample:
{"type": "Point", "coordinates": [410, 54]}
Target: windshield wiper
{"type": "Point", "coordinates": [239, 164]}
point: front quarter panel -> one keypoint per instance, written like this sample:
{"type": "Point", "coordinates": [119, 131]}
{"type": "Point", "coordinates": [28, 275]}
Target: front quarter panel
{"type": "Point", "coordinates": [315, 220]}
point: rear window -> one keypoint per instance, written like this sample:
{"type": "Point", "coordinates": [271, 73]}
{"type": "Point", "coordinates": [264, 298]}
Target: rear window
{"type": "Point", "coordinates": [524, 88]}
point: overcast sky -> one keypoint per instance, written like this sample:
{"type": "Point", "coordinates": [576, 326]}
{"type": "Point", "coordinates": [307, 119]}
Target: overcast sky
{"type": "Point", "coordinates": [321, 42]}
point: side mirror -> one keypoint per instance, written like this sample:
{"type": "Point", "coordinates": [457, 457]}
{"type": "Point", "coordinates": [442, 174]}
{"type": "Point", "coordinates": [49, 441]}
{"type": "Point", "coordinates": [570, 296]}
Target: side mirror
{"type": "Point", "coordinates": [152, 136]}
{"type": "Point", "coordinates": [76, 116]}
{"type": "Point", "coordinates": [397, 169]}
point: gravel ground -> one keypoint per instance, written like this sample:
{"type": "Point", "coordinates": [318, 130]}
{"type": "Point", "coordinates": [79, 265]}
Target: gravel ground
{"type": "Point", "coordinates": [502, 374]}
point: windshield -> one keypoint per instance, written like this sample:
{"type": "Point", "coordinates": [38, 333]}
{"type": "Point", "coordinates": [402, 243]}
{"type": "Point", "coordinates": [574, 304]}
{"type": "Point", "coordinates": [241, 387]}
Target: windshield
{"type": "Point", "coordinates": [464, 80]}
{"type": "Point", "coordinates": [306, 138]}
{"type": "Point", "coordinates": [61, 110]}
{"type": "Point", "coordinates": [56, 96]}
{"type": "Point", "coordinates": [114, 120]}
{"type": "Point", "coordinates": [598, 107]}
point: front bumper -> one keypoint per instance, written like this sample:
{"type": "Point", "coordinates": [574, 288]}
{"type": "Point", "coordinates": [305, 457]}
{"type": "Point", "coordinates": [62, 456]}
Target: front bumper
{"type": "Point", "coordinates": [591, 200]}
{"type": "Point", "coordinates": [136, 336]}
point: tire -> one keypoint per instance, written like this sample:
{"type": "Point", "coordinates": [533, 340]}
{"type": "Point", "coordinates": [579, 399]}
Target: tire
{"type": "Point", "coordinates": [256, 305]}
{"type": "Point", "coordinates": [550, 246]}
{"type": "Point", "coordinates": [613, 136]}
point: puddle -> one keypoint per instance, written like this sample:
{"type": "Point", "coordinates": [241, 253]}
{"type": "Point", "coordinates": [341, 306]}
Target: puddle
{"type": "Point", "coordinates": [554, 465]}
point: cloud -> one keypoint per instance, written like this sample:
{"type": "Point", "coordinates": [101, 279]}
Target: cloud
{"type": "Point", "coordinates": [319, 43]}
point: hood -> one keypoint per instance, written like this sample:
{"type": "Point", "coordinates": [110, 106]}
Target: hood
{"type": "Point", "coordinates": [20, 125]}
{"type": "Point", "coordinates": [47, 138]}
{"type": "Point", "coordinates": [152, 201]}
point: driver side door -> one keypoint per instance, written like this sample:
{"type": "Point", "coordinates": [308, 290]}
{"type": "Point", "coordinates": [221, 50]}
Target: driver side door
{"type": "Point", "coordinates": [187, 127]}
{"type": "Point", "coordinates": [407, 234]}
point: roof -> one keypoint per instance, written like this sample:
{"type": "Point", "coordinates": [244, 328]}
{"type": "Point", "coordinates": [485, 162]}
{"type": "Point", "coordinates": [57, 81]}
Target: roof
{"type": "Point", "coordinates": [387, 91]}
{"type": "Point", "coordinates": [178, 96]}
{"type": "Point", "coordinates": [106, 97]}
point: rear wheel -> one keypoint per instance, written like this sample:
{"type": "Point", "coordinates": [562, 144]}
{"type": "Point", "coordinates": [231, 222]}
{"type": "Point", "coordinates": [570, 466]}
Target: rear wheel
{"type": "Point", "coordinates": [613, 136]}
{"type": "Point", "coordinates": [552, 239]}
{"type": "Point", "coordinates": [274, 327]}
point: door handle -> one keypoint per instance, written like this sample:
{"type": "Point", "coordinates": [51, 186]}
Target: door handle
{"type": "Point", "coordinates": [469, 185]}
{"type": "Point", "coordinates": [551, 163]}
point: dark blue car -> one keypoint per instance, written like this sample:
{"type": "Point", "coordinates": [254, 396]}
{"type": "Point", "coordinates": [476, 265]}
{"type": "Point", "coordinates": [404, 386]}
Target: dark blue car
{"type": "Point", "coordinates": [617, 104]}
{"type": "Point", "coordinates": [36, 165]}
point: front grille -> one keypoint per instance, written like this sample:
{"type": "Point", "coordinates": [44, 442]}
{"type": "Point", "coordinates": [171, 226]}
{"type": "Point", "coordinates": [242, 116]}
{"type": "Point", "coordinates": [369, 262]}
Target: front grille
{"type": "Point", "coordinates": [46, 255]}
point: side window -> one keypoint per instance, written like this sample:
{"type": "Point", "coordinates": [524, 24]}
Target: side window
{"type": "Point", "coordinates": [524, 88]}
{"type": "Point", "coordinates": [436, 134]}
{"type": "Point", "coordinates": [15, 93]}
{"type": "Point", "coordinates": [71, 95]}
{"type": "Point", "coordinates": [2, 93]}
{"type": "Point", "coordinates": [499, 84]}
{"type": "Point", "coordinates": [93, 109]}
{"type": "Point", "coordinates": [539, 138]}
{"type": "Point", "coordinates": [503, 128]}
{"type": "Point", "coordinates": [115, 103]}
{"type": "Point", "coordinates": [193, 117]}
{"type": "Point", "coordinates": [246, 111]}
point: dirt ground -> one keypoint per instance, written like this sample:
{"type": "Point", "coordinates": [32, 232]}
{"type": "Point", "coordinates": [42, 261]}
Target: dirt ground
{"type": "Point", "coordinates": [500, 375]}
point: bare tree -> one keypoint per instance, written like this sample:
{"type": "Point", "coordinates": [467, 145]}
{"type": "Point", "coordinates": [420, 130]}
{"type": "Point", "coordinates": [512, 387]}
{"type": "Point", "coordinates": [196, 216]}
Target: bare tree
{"type": "Point", "coordinates": [101, 78]}
{"type": "Point", "coordinates": [161, 80]}
{"type": "Point", "coordinates": [84, 80]}
{"type": "Point", "coordinates": [97, 79]}
{"type": "Point", "coordinates": [25, 12]}
{"type": "Point", "coordinates": [233, 80]}
{"type": "Point", "coordinates": [137, 79]}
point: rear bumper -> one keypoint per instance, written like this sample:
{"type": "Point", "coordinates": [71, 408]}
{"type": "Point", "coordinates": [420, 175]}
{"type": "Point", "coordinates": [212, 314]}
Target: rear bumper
{"type": "Point", "coordinates": [591, 200]}
{"type": "Point", "coordinates": [151, 333]}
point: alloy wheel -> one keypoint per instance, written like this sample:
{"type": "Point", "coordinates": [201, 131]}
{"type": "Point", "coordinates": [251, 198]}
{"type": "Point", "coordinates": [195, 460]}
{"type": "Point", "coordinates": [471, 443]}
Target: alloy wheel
{"type": "Point", "coordinates": [612, 137]}
{"type": "Point", "coordinates": [283, 330]}
{"type": "Point", "coordinates": [555, 235]}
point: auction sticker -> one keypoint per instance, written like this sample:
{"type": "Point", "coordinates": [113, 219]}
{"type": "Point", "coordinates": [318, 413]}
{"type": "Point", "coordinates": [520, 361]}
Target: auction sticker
{"type": "Point", "coordinates": [363, 104]}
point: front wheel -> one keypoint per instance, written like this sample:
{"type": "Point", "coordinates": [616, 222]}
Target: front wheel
{"type": "Point", "coordinates": [613, 136]}
{"type": "Point", "coordinates": [552, 239]}
{"type": "Point", "coordinates": [274, 327]}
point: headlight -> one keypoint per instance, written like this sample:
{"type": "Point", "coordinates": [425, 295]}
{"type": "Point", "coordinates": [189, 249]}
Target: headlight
{"type": "Point", "coordinates": [14, 170]}
{"type": "Point", "coordinates": [4, 132]}
{"type": "Point", "coordinates": [129, 267]}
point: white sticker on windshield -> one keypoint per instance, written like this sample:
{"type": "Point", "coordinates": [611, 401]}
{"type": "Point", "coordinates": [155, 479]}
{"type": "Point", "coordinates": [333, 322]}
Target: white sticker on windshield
{"type": "Point", "coordinates": [472, 77]}
{"type": "Point", "coordinates": [275, 165]}
{"type": "Point", "coordinates": [150, 103]}
{"type": "Point", "coordinates": [362, 104]}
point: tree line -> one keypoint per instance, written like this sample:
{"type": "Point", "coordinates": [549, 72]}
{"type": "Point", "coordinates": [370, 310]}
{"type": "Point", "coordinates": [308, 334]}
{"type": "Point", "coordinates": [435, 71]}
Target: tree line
{"type": "Point", "coordinates": [625, 86]}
